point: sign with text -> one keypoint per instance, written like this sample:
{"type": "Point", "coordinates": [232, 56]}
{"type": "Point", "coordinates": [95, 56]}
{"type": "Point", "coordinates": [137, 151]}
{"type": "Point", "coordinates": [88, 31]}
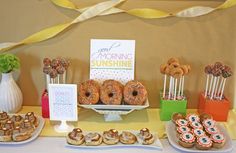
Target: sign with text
{"type": "Point", "coordinates": [63, 102]}
{"type": "Point", "coordinates": [112, 59]}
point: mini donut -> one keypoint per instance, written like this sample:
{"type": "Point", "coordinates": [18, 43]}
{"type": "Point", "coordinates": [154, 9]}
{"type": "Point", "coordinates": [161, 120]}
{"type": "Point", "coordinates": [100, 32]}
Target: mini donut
{"type": "Point", "coordinates": [184, 68]}
{"type": "Point", "coordinates": [111, 137]}
{"type": "Point", "coordinates": [135, 93]}
{"type": "Point", "coordinates": [145, 137]}
{"type": "Point", "coordinates": [93, 139]}
{"type": "Point", "coordinates": [127, 138]}
{"type": "Point", "coordinates": [163, 68]}
{"type": "Point", "coordinates": [89, 92]}
{"type": "Point", "coordinates": [172, 60]}
{"type": "Point", "coordinates": [75, 137]}
{"type": "Point", "coordinates": [174, 65]}
{"type": "Point", "coordinates": [176, 72]}
{"type": "Point", "coordinates": [111, 92]}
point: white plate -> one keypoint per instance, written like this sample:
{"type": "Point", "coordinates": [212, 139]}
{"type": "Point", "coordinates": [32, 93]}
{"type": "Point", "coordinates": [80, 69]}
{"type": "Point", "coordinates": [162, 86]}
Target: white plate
{"type": "Point", "coordinates": [171, 134]}
{"type": "Point", "coordinates": [35, 134]}
{"type": "Point", "coordinates": [156, 145]}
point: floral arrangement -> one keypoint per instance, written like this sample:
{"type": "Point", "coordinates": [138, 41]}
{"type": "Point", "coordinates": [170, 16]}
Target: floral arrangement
{"type": "Point", "coordinates": [9, 63]}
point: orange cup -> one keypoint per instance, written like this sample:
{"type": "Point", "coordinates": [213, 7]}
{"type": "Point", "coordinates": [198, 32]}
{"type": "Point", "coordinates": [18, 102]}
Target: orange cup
{"type": "Point", "coordinates": [219, 109]}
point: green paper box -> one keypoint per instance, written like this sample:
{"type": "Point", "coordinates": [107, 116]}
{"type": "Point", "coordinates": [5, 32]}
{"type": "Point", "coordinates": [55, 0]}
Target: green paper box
{"type": "Point", "coordinates": [168, 107]}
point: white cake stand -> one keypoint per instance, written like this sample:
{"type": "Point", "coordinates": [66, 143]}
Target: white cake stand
{"type": "Point", "coordinates": [114, 112]}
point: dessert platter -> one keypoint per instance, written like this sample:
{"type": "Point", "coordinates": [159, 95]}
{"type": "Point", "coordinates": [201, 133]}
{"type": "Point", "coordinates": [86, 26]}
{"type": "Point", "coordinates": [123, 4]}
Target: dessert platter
{"type": "Point", "coordinates": [19, 128]}
{"type": "Point", "coordinates": [113, 139]}
{"type": "Point", "coordinates": [195, 133]}
{"type": "Point", "coordinates": [112, 98]}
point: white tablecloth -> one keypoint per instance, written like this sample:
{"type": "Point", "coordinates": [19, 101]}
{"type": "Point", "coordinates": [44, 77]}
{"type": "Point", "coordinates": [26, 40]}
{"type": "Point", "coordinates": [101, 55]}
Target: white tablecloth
{"type": "Point", "coordinates": [57, 145]}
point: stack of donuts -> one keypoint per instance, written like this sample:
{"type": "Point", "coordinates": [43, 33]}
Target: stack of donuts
{"type": "Point", "coordinates": [17, 128]}
{"type": "Point", "coordinates": [110, 137]}
{"type": "Point", "coordinates": [112, 92]}
{"type": "Point", "coordinates": [199, 131]}
{"type": "Point", "coordinates": [175, 71]}
{"type": "Point", "coordinates": [55, 69]}
{"type": "Point", "coordinates": [218, 73]}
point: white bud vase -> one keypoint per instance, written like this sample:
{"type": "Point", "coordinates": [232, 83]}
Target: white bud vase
{"type": "Point", "coordinates": [10, 94]}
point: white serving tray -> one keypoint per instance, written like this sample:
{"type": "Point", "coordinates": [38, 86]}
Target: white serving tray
{"type": "Point", "coordinates": [171, 134]}
{"type": "Point", "coordinates": [156, 145]}
{"type": "Point", "coordinates": [35, 134]}
{"type": "Point", "coordinates": [113, 112]}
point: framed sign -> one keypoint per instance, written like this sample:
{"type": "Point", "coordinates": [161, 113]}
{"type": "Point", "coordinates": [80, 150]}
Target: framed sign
{"type": "Point", "coordinates": [63, 102]}
{"type": "Point", "coordinates": [112, 59]}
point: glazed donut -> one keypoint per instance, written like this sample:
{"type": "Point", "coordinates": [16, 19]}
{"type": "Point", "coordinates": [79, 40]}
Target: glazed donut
{"type": "Point", "coordinates": [135, 93]}
{"type": "Point", "coordinates": [111, 92]}
{"type": "Point", "coordinates": [145, 137]}
{"type": "Point", "coordinates": [172, 60]}
{"type": "Point", "coordinates": [163, 68]}
{"type": "Point", "coordinates": [127, 138]}
{"type": "Point", "coordinates": [176, 72]}
{"type": "Point", "coordinates": [89, 92]}
{"type": "Point", "coordinates": [111, 137]}
{"type": "Point", "coordinates": [93, 139]}
{"type": "Point", "coordinates": [75, 137]}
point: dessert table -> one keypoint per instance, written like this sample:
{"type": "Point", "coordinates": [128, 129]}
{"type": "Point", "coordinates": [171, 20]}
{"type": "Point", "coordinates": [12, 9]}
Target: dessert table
{"type": "Point", "coordinates": [50, 141]}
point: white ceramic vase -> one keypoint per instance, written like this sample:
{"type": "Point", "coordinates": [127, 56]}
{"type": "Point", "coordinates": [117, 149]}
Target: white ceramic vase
{"type": "Point", "coordinates": [10, 94]}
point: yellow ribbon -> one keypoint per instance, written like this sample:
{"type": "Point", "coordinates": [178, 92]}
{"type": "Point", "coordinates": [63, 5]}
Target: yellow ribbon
{"type": "Point", "coordinates": [107, 8]}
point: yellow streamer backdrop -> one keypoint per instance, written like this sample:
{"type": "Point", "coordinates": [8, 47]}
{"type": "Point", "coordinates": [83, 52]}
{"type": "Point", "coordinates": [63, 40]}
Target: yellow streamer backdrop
{"type": "Point", "coordinates": [107, 8]}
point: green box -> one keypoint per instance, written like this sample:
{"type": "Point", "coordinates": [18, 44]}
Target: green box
{"type": "Point", "coordinates": [168, 107]}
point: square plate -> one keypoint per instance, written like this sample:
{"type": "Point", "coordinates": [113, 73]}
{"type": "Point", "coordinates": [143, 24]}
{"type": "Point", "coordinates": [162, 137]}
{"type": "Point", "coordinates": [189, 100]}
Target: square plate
{"type": "Point", "coordinates": [156, 145]}
{"type": "Point", "coordinates": [35, 134]}
{"type": "Point", "coordinates": [171, 134]}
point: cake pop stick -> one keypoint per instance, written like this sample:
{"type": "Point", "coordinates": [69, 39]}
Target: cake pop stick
{"type": "Point", "coordinates": [170, 85]}
{"type": "Point", "coordinates": [163, 71]}
{"type": "Point", "coordinates": [47, 80]}
{"type": "Point", "coordinates": [180, 83]}
{"type": "Point", "coordinates": [220, 87]}
{"type": "Point", "coordinates": [164, 87]}
{"type": "Point", "coordinates": [222, 90]}
{"type": "Point", "coordinates": [213, 88]}
{"type": "Point", "coordinates": [211, 82]}
{"type": "Point", "coordinates": [176, 82]}
{"type": "Point", "coordinates": [182, 86]}
{"type": "Point", "coordinates": [217, 82]}
{"type": "Point", "coordinates": [206, 86]}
